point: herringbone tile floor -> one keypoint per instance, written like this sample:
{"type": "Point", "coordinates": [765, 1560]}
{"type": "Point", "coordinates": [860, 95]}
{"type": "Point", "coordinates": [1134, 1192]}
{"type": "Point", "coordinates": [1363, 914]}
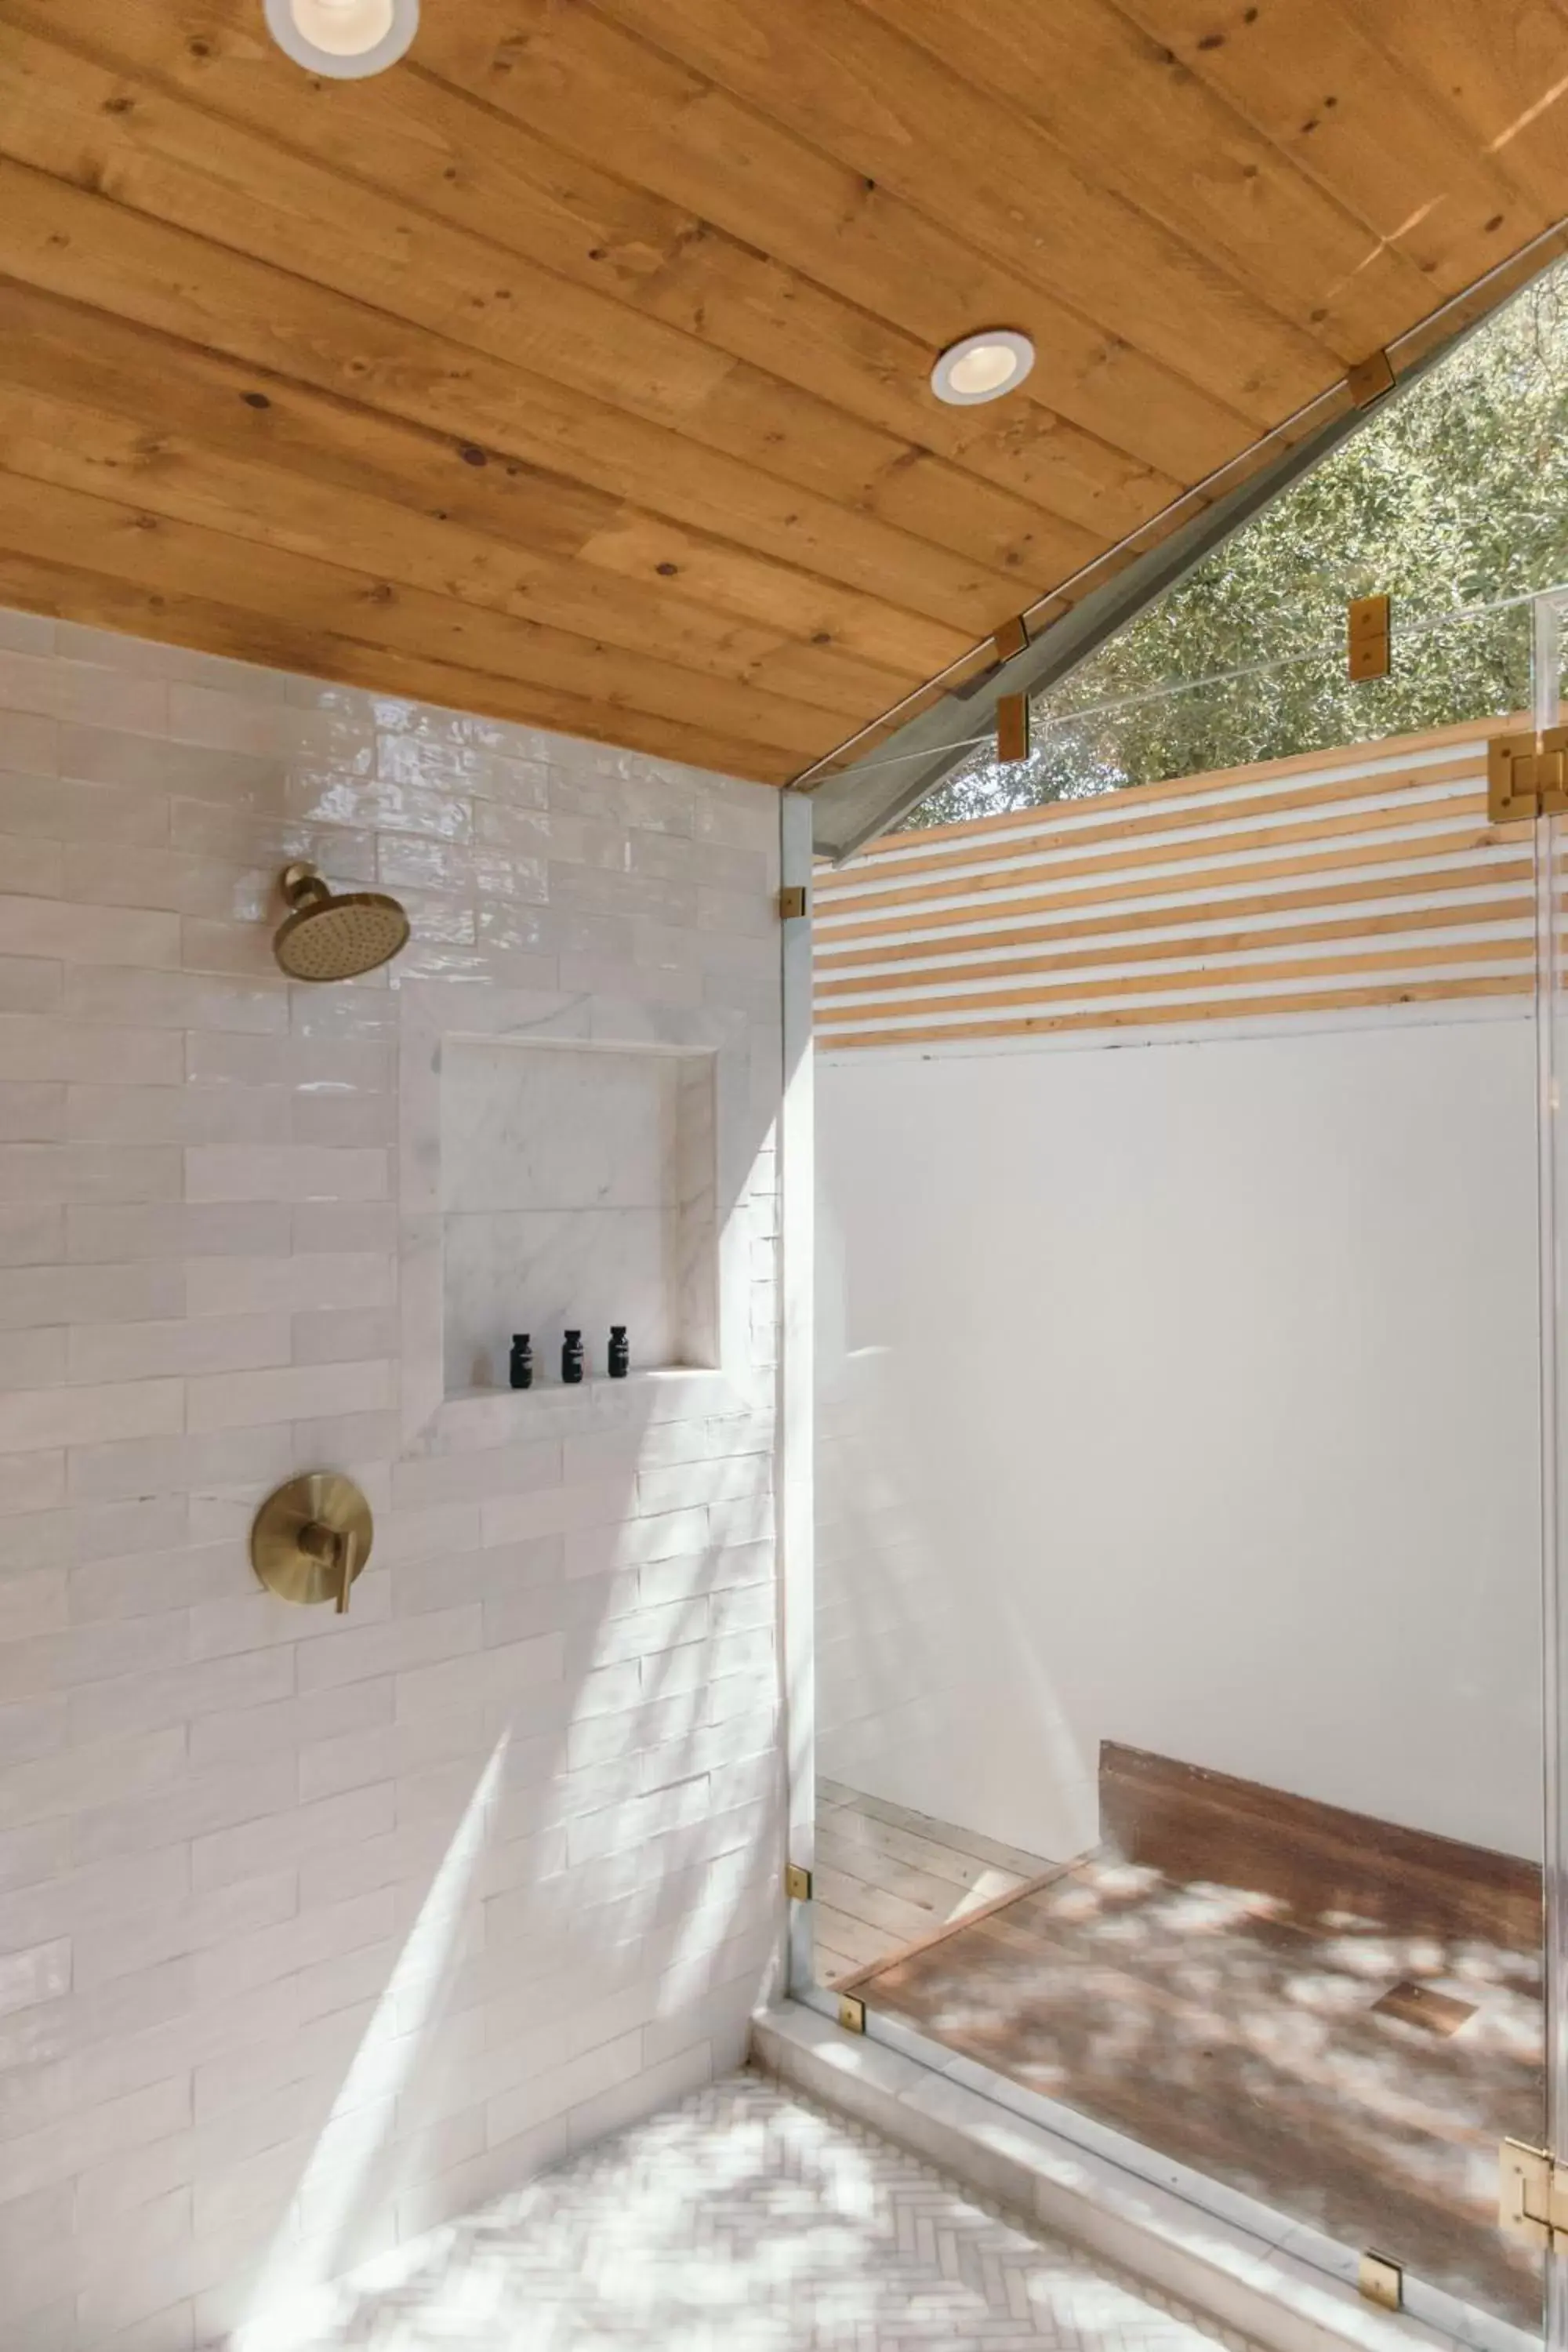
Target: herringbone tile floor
{"type": "Point", "coordinates": [745, 2220]}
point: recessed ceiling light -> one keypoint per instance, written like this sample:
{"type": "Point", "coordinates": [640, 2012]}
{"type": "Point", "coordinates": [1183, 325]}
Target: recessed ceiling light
{"type": "Point", "coordinates": [343, 39]}
{"type": "Point", "coordinates": [982, 367]}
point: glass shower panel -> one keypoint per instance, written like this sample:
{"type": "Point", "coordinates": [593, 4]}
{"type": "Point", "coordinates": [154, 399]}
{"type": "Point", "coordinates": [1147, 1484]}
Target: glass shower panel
{"type": "Point", "coordinates": [1179, 1561]}
{"type": "Point", "coordinates": [1550, 842]}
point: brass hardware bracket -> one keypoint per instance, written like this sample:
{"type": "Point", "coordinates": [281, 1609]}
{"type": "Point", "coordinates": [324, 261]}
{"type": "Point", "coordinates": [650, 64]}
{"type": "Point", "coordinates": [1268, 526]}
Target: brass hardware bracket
{"type": "Point", "coordinates": [1532, 2196]}
{"type": "Point", "coordinates": [312, 1538]}
{"type": "Point", "coordinates": [1367, 637]}
{"type": "Point", "coordinates": [851, 2013]}
{"type": "Point", "coordinates": [1012, 729]}
{"type": "Point", "coordinates": [791, 902]}
{"type": "Point", "coordinates": [1527, 776]}
{"type": "Point", "coordinates": [797, 1882]}
{"type": "Point", "coordinates": [1370, 378]}
{"type": "Point", "coordinates": [1381, 2281]}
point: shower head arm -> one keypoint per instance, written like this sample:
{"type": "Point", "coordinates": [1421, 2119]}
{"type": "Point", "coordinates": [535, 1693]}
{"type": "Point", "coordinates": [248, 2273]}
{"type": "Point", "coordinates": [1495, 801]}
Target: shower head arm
{"type": "Point", "coordinates": [303, 886]}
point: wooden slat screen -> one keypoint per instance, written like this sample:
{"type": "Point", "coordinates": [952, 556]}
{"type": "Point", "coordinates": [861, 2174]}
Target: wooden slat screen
{"type": "Point", "coordinates": [1355, 877]}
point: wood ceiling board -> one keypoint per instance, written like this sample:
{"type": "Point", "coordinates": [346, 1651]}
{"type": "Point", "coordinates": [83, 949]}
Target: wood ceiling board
{"type": "Point", "coordinates": [585, 353]}
{"type": "Point", "coordinates": [642, 546]}
{"type": "Point", "coordinates": [1310, 76]}
{"type": "Point", "coordinates": [187, 479]}
{"type": "Point", "coordinates": [130, 539]}
{"type": "Point", "coordinates": [1179, 153]}
{"type": "Point", "coordinates": [565, 74]}
{"type": "Point", "coordinates": [1498, 70]}
{"type": "Point", "coordinates": [171, 161]}
{"type": "Point", "coordinates": [295, 468]}
{"type": "Point", "coordinates": [136, 604]}
{"type": "Point", "coordinates": [461, 160]}
{"type": "Point", "coordinates": [55, 234]}
{"type": "Point", "coordinates": [851, 85]}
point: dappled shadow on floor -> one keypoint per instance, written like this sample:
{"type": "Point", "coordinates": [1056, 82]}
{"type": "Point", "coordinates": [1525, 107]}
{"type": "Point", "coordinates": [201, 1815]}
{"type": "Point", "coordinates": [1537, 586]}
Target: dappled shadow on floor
{"type": "Point", "coordinates": [1217, 2027]}
{"type": "Point", "coordinates": [744, 2218]}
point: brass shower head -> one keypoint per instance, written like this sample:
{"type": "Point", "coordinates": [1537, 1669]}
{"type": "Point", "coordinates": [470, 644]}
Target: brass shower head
{"type": "Point", "coordinates": [330, 937]}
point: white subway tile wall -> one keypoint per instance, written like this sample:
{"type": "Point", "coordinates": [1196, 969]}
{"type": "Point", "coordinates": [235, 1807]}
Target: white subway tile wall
{"type": "Point", "coordinates": [314, 1933]}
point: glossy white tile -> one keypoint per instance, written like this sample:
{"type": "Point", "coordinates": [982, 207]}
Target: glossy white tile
{"type": "Point", "coordinates": [275, 1881]}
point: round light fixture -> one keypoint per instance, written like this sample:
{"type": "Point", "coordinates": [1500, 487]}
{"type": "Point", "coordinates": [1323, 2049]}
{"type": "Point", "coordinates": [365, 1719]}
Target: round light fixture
{"type": "Point", "coordinates": [982, 367]}
{"type": "Point", "coordinates": [345, 40]}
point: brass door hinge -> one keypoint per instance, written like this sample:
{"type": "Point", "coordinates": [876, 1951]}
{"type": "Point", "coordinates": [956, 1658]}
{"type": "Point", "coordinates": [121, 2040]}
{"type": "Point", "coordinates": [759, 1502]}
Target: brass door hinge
{"type": "Point", "coordinates": [1527, 776]}
{"type": "Point", "coordinates": [1532, 2196]}
{"type": "Point", "coordinates": [851, 2013]}
{"type": "Point", "coordinates": [797, 1882]}
{"type": "Point", "coordinates": [791, 902]}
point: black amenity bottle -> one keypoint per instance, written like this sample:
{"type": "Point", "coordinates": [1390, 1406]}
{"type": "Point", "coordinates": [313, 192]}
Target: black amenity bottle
{"type": "Point", "coordinates": [522, 1372]}
{"type": "Point", "coordinates": [620, 1352]}
{"type": "Point", "coordinates": [572, 1359]}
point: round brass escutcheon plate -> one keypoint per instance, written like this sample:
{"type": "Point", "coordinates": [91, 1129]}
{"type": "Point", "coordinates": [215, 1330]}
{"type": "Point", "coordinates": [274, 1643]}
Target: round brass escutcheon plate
{"type": "Point", "coordinates": [292, 1549]}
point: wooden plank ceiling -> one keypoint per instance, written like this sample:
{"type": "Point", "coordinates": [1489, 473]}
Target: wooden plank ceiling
{"type": "Point", "coordinates": [575, 370]}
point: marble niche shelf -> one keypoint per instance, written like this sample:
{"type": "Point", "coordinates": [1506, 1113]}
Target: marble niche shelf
{"type": "Point", "coordinates": [578, 1188]}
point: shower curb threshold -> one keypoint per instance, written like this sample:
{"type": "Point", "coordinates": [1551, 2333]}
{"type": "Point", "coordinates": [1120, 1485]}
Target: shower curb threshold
{"type": "Point", "coordinates": [1234, 2275]}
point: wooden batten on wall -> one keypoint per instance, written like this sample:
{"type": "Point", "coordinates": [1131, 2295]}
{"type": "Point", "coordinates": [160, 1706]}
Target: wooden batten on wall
{"type": "Point", "coordinates": [1341, 879]}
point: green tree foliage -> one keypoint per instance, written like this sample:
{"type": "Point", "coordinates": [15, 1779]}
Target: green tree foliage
{"type": "Point", "coordinates": [1455, 496]}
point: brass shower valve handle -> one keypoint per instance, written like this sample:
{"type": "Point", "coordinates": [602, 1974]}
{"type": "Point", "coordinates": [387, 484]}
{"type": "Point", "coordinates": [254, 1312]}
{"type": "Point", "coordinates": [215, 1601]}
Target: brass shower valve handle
{"type": "Point", "coordinates": [337, 1551]}
{"type": "Point", "coordinates": [348, 1569]}
{"type": "Point", "coordinates": [311, 1539]}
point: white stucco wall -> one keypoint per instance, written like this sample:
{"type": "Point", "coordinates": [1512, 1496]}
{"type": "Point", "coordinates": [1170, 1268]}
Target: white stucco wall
{"type": "Point", "coordinates": [1184, 1394]}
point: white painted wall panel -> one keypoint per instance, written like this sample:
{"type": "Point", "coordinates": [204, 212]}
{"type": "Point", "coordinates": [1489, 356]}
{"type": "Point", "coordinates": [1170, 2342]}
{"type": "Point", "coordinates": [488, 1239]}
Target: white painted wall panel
{"type": "Point", "coordinates": [1184, 1394]}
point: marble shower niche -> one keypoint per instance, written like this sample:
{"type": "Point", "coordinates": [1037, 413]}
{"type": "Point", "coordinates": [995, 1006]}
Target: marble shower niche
{"type": "Point", "coordinates": [577, 1188]}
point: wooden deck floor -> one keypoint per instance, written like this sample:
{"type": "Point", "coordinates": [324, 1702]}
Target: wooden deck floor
{"type": "Point", "coordinates": [888, 1878]}
{"type": "Point", "coordinates": [1349, 2075]}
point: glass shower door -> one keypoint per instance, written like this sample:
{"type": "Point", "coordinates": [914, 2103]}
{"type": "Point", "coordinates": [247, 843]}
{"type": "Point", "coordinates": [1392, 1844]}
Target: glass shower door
{"type": "Point", "coordinates": [1181, 1598]}
{"type": "Point", "coordinates": [1550, 842]}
